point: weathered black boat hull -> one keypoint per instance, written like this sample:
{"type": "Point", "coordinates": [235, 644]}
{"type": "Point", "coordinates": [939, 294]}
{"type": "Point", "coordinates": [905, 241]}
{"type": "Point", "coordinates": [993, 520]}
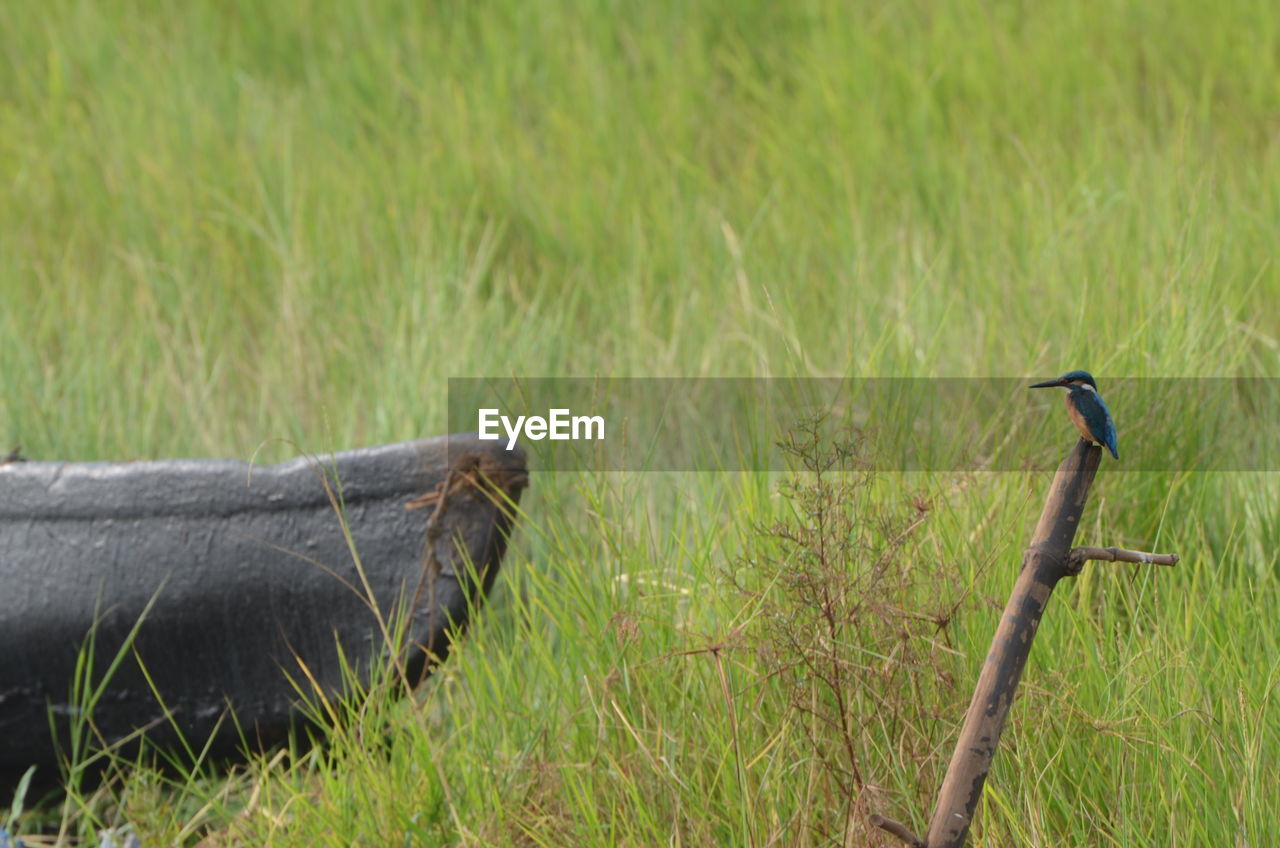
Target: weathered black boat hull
{"type": "Point", "coordinates": [237, 577]}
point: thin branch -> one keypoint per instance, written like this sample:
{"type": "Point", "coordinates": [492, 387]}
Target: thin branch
{"type": "Point", "coordinates": [1083, 553]}
{"type": "Point", "coordinates": [897, 829]}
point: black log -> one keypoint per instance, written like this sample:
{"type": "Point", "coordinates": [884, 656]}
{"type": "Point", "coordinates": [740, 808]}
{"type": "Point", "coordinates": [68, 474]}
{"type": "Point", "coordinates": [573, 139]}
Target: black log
{"type": "Point", "coordinates": [246, 572]}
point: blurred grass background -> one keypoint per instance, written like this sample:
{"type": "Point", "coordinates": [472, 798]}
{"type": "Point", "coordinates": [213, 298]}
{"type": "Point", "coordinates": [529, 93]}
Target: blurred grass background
{"type": "Point", "coordinates": [229, 222]}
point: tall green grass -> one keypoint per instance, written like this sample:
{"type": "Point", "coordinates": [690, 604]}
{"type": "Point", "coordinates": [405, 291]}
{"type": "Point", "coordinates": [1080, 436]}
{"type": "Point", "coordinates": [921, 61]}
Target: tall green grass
{"type": "Point", "coordinates": [230, 222]}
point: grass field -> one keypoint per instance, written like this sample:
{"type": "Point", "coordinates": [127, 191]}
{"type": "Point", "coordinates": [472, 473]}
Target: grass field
{"type": "Point", "coordinates": [228, 222]}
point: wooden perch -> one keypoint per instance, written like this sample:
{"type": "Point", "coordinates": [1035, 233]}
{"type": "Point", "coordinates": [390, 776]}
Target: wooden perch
{"type": "Point", "coordinates": [1047, 560]}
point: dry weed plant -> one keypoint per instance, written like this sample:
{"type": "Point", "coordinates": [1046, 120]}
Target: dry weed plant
{"type": "Point", "coordinates": [854, 627]}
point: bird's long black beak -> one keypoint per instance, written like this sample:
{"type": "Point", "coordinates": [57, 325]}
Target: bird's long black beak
{"type": "Point", "coordinates": [1047, 384]}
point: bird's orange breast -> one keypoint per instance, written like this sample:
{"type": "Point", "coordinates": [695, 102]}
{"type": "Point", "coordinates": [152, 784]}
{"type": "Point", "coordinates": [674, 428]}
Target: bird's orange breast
{"type": "Point", "coordinates": [1078, 420]}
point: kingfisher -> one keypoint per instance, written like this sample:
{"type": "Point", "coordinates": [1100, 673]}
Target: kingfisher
{"type": "Point", "coordinates": [1085, 406]}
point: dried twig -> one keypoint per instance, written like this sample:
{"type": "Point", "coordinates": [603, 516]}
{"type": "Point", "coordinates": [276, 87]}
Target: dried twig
{"type": "Point", "coordinates": [474, 473]}
{"type": "Point", "coordinates": [1083, 553]}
